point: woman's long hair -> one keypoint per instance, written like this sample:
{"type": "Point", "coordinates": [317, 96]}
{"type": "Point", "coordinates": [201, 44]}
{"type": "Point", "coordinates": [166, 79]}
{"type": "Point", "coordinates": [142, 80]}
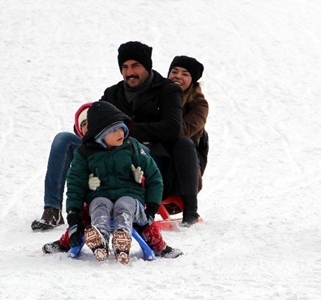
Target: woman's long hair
{"type": "Point", "coordinates": [189, 94]}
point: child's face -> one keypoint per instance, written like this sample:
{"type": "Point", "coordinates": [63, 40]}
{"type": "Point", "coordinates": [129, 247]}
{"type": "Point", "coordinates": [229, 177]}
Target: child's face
{"type": "Point", "coordinates": [84, 127]}
{"type": "Point", "coordinates": [115, 138]}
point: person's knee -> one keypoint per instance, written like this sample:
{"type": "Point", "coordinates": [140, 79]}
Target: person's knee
{"type": "Point", "coordinates": [63, 138]}
{"type": "Point", "coordinates": [184, 147]}
{"type": "Point", "coordinates": [100, 204]}
{"type": "Point", "coordinates": [184, 144]}
{"type": "Point", "coordinates": [125, 203]}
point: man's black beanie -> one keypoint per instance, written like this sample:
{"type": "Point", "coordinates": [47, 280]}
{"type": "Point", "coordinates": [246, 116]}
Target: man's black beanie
{"type": "Point", "coordinates": [135, 51]}
{"type": "Point", "coordinates": [194, 67]}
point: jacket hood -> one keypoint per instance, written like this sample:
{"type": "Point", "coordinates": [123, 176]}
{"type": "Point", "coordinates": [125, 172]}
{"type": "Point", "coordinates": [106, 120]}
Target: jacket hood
{"type": "Point", "coordinates": [100, 115]}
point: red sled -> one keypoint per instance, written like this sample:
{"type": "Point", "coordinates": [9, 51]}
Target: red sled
{"type": "Point", "coordinates": [168, 210]}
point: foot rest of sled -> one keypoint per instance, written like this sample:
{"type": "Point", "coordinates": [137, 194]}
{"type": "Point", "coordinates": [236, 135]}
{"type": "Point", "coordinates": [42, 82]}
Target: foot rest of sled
{"type": "Point", "coordinates": [172, 224]}
{"type": "Point", "coordinates": [168, 224]}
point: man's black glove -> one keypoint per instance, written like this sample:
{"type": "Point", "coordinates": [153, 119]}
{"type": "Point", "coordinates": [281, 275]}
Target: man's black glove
{"type": "Point", "coordinates": [150, 212]}
{"type": "Point", "coordinates": [76, 227]}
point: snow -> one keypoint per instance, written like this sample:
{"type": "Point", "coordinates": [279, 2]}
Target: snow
{"type": "Point", "coordinates": [261, 235]}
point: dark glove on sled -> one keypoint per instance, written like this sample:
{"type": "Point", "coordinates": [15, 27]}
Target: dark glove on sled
{"type": "Point", "coordinates": [150, 211]}
{"type": "Point", "coordinates": [76, 227]}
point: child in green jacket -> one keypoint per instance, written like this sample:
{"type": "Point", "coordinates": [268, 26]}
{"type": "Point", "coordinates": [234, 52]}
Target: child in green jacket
{"type": "Point", "coordinates": [119, 162]}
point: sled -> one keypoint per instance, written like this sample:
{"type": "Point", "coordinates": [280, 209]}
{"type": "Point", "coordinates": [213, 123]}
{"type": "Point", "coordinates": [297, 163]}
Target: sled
{"type": "Point", "coordinates": [149, 254]}
{"type": "Point", "coordinates": [169, 211]}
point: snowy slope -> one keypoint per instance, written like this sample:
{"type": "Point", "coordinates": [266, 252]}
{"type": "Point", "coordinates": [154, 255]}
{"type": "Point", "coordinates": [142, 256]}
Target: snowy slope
{"type": "Point", "coordinates": [261, 238]}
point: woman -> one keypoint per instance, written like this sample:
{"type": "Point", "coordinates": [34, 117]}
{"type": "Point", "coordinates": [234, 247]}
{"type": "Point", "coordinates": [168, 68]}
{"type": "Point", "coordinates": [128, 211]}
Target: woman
{"type": "Point", "coordinates": [186, 71]}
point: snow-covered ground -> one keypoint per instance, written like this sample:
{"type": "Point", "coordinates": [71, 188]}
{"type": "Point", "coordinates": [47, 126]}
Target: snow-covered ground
{"type": "Point", "coordinates": [261, 238]}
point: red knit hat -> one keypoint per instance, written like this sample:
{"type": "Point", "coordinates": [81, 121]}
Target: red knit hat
{"type": "Point", "coordinates": [80, 116]}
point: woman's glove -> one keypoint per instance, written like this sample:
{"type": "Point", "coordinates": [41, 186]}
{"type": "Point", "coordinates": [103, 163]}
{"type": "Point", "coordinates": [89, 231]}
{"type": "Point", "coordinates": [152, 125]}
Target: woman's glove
{"type": "Point", "coordinates": [93, 182]}
{"type": "Point", "coordinates": [76, 228]}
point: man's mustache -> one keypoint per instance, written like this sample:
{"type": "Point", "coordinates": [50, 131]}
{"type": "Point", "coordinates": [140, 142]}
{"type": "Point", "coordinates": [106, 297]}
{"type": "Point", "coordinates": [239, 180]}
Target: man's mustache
{"type": "Point", "coordinates": [132, 77]}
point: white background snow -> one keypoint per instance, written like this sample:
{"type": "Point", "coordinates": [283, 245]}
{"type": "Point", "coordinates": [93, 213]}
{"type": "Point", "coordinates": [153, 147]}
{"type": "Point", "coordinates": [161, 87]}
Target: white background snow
{"type": "Point", "coordinates": [261, 236]}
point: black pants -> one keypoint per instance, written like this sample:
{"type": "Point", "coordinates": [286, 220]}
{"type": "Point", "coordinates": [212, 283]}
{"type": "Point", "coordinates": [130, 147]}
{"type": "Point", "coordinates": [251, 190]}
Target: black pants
{"type": "Point", "coordinates": [186, 180]}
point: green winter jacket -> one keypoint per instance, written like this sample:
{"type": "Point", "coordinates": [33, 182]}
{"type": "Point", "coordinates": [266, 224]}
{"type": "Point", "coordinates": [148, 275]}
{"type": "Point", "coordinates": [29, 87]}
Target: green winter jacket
{"type": "Point", "coordinates": [113, 168]}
